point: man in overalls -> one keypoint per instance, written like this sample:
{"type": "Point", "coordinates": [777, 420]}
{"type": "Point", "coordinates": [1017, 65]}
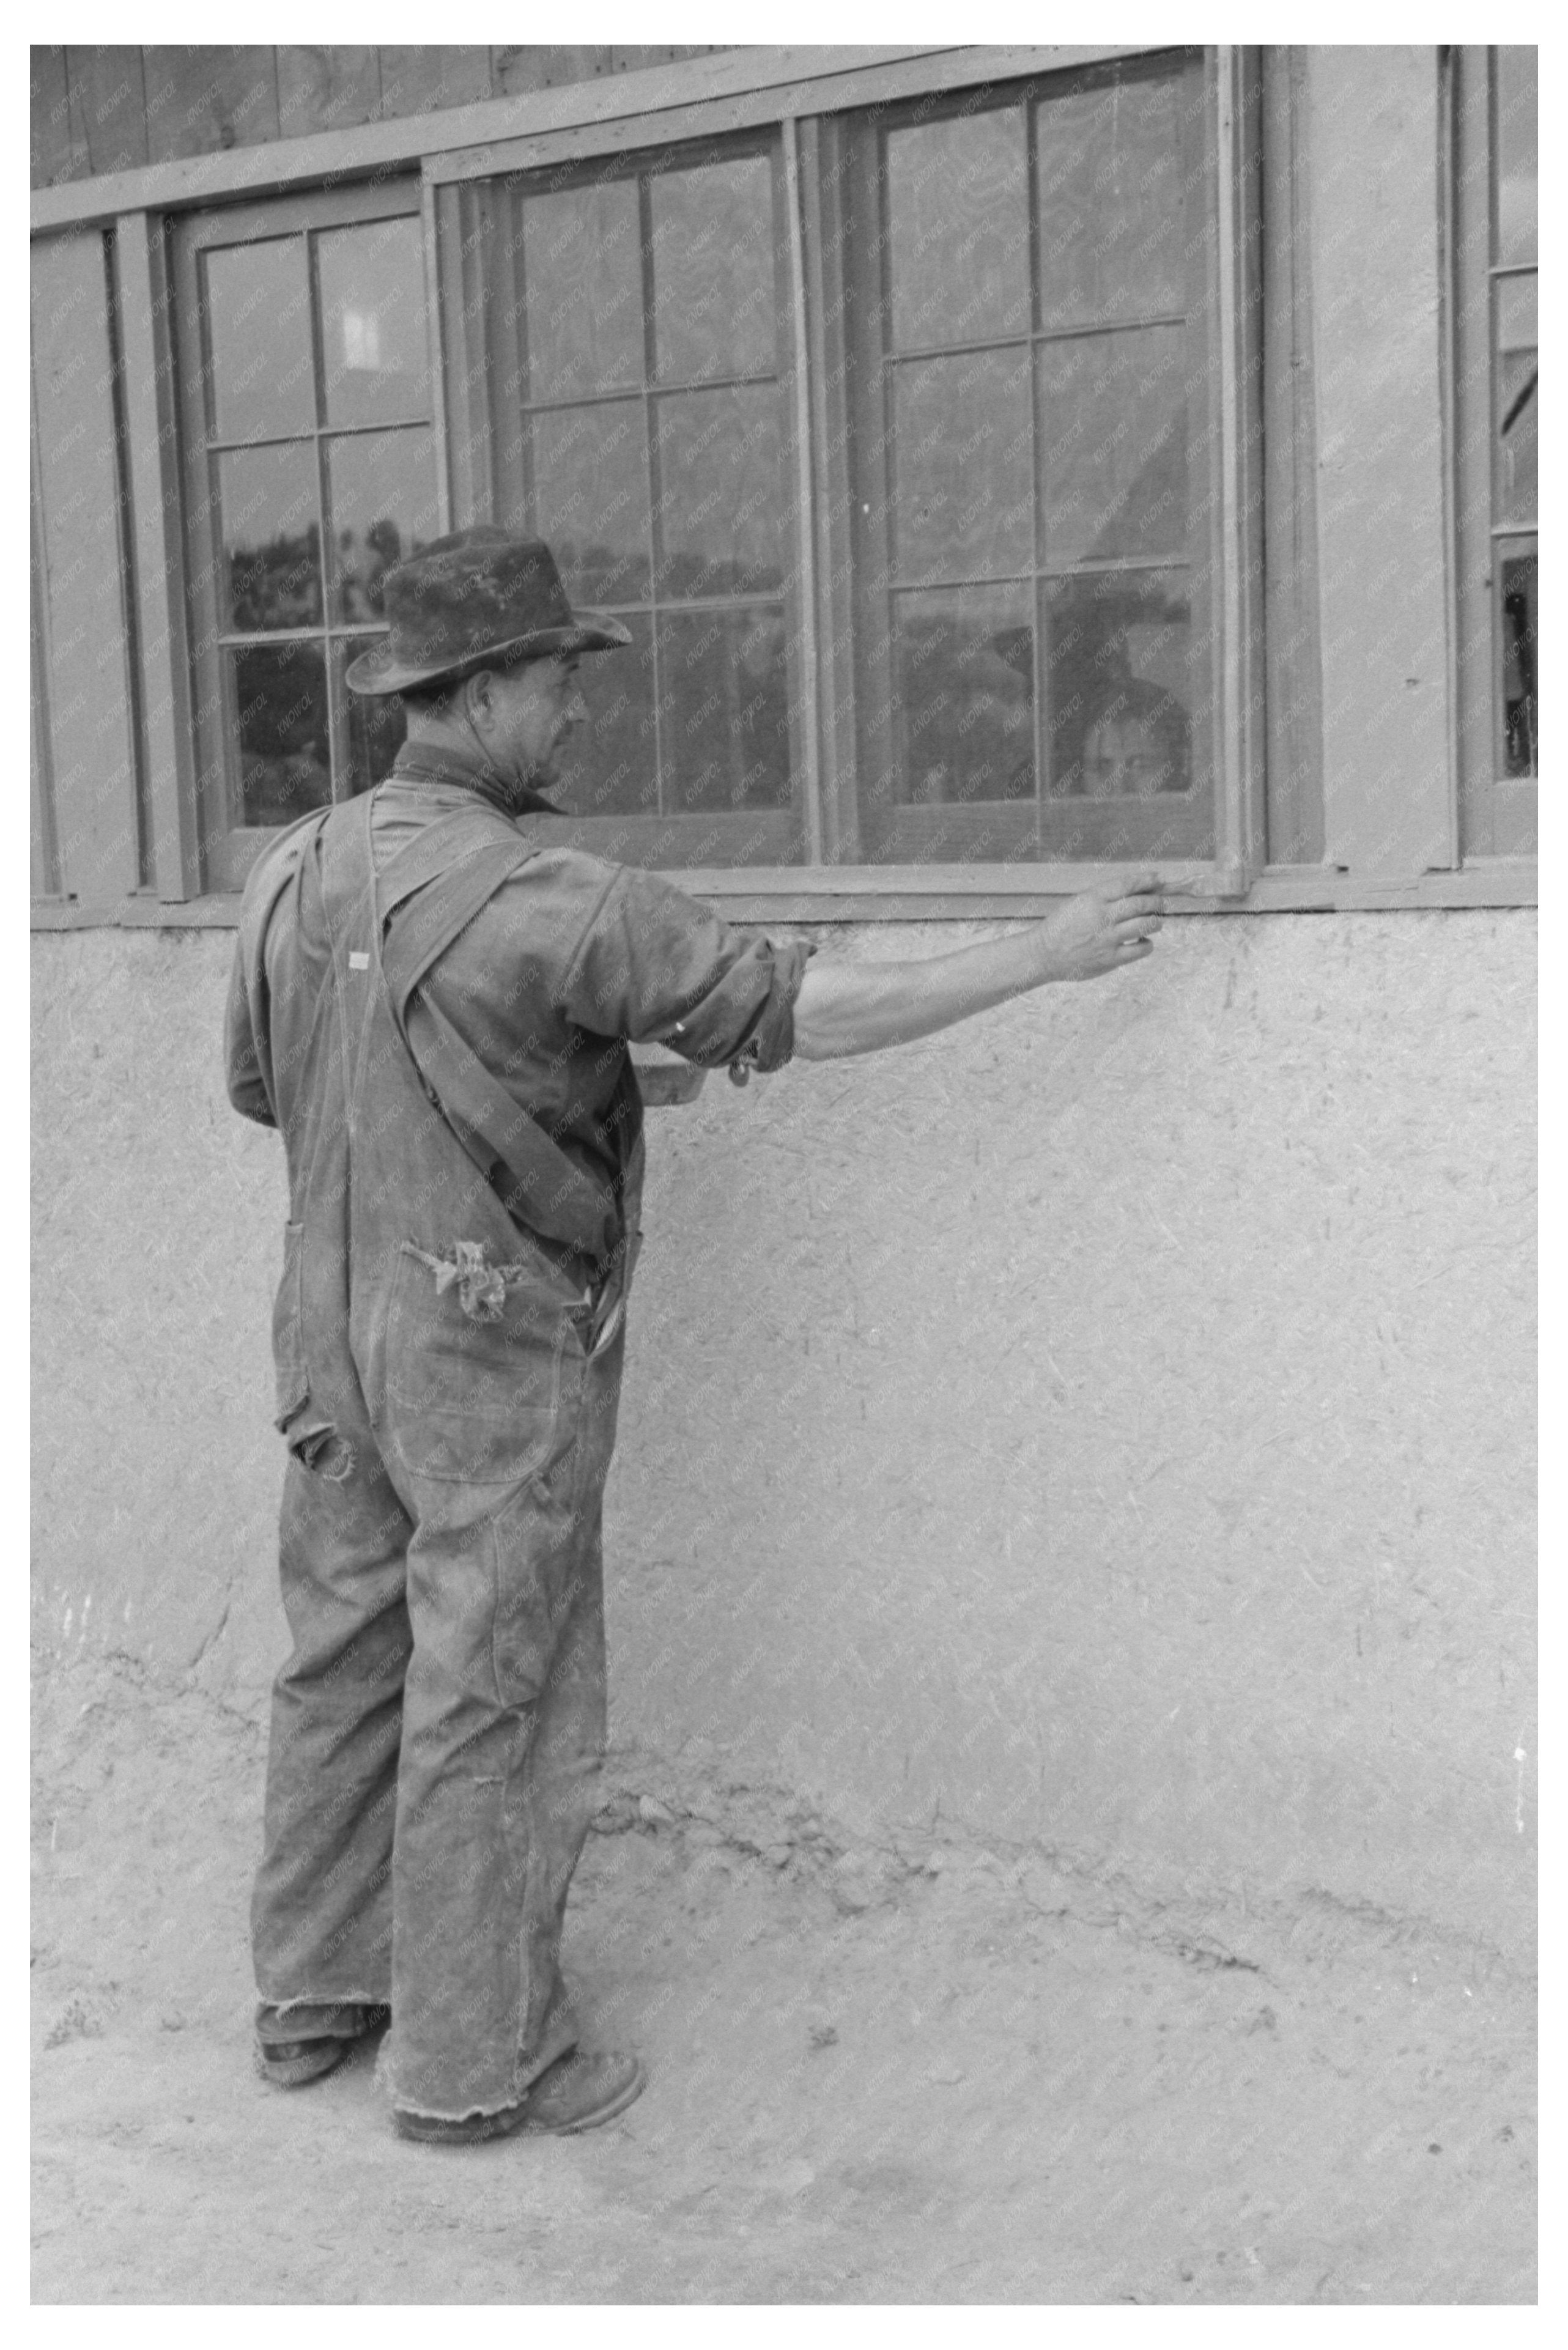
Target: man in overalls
{"type": "Point", "coordinates": [434, 1010]}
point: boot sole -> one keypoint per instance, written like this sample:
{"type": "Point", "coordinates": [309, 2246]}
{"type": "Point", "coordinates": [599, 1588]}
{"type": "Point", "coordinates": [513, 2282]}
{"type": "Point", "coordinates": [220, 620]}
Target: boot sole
{"type": "Point", "coordinates": [310, 2065]}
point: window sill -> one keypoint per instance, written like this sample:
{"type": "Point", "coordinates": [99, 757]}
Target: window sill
{"type": "Point", "coordinates": [935, 894]}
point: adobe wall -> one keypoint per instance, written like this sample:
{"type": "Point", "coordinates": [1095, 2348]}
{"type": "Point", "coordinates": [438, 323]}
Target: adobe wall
{"type": "Point", "coordinates": [1109, 1426]}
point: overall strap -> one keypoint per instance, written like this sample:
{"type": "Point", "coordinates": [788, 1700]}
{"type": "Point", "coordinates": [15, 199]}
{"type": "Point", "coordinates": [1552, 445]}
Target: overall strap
{"type": "Point", "coordinates": [451, 876]}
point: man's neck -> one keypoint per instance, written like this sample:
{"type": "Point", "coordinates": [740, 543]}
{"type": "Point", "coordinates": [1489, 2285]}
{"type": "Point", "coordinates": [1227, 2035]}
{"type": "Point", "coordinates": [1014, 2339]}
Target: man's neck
{"type": "Point", "coordinates": [449, 757]}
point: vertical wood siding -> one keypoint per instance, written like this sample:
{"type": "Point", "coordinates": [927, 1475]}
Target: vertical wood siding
{"type": "Point", "coordinates": [104, 108]}
{"type": "Point", "coordinates": [79, 514]}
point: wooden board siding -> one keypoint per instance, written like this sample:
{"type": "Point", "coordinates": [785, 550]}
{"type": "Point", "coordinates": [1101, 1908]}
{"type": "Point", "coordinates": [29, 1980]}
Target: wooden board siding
{"type": "Point", "coordinates": [91, 758]}
{"type": "Point", "coordinates": [99, 108]}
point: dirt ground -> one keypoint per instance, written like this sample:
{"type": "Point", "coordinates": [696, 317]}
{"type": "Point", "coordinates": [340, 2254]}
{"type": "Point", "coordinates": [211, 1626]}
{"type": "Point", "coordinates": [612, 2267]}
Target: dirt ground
{"type": "Point", "coordinates": [920, 2073]}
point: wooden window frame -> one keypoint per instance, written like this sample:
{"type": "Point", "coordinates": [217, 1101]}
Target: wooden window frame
{"type": "Point", "coordinates": [825, 557]}
{"type": "Point", "coordinates": [796, 88]}
{"type": "Point", "coordinates": [226, 850]}
{"type": "Point", "coordinates": [1498, 814]}
{"type": "Point", "coordinates": [474, 484]}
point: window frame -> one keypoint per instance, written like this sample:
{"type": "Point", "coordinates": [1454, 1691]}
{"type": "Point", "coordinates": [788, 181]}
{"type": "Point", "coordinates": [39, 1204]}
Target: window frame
{"type": "Point", "coordinates": [796, 88]}
{"type": "Point", "coordinates": [856, 151]}
{"type": "Point", "coordinates": [467, 367]}
{"type": "Point", "coordinates": [1498, 814]}
{"type": "Point", "coordinates": [826, 558]}
{"type": "Point", "coordinates": [227, 850]}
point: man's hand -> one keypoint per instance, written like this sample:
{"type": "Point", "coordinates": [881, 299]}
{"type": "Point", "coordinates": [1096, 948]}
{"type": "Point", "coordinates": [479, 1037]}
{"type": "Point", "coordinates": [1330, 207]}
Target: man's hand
{"type": "Point", "coordinates": [1103, 929]}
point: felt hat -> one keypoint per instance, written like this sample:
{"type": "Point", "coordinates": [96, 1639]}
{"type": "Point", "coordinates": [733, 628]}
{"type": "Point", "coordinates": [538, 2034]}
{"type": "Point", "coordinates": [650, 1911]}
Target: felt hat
{"type": "Point", "coordinates": [483, 598]}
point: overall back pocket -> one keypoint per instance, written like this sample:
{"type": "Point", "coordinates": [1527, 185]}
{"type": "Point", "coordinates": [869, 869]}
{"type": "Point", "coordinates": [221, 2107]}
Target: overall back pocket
{"type": "Point", "coordinates": [477, 1398]}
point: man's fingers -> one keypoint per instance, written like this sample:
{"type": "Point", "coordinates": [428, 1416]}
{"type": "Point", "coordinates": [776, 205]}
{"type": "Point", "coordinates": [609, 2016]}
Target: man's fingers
{"type": "Point", "coordinates": [1137, 884]}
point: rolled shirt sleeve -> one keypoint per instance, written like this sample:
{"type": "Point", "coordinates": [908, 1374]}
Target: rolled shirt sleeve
{"type": "Point", "coordinates": [654, 966]}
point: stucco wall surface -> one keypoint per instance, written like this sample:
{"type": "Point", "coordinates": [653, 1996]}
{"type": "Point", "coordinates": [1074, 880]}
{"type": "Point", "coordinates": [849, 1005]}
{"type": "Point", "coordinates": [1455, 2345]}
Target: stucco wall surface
{"type": "Point", "coordinates": [1109, 1426]}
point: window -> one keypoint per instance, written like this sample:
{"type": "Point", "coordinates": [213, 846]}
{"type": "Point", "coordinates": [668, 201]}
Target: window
{"type": "Point", "coordinates": [1027, 279]}
{"type": "Point", "coordinates": [310, 470]}
{"type": "Point", "coordinates": [1495, 410]}
{"type": "Point", "coordinates": [621, 336]}
{"type": "Point", "coordinates": [894, 438]}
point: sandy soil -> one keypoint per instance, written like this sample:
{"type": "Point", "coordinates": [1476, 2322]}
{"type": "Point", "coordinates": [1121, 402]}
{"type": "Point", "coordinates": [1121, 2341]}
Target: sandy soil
{"type": "Point", "coordinates": [920, 2072]}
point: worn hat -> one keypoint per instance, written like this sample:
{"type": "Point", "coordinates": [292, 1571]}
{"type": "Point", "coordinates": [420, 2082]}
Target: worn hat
{"type": "Point", "coordinates": [481, 599]}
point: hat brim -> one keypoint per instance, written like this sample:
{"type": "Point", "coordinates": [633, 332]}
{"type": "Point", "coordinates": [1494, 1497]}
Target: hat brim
{"type": "Point", "coordinates": [379, 671]}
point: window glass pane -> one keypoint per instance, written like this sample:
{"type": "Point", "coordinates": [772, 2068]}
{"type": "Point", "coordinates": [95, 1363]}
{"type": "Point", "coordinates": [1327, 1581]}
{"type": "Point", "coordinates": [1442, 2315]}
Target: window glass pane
{"type": "Point", "coordinates": [713, 300]}
{"type": "Point", "coordinates": [610, 768]}
{"type": "Point", "coordinates": [958, 229]}
{"type": "Point", "coordinates": [375, 361]}
{"type": "Point", "coordinates": [962, 466]}
{"type": "Point", "coordinates": [724, 710]}
{"type": "Point", "coordinates": [1520, 720]}
{"type": "Point", "coordinates": [1113, 442]}
{"type": "Point", "coordinates": [1112, 203]}
{"type": "Point", "coordinates": [1518, 399]}
{"type": "Point", "coordinates": [964, 662]}
{"type": "Point", "coordinates": [590, 498]}
{"type": "Point", "coordinates": [721, 506]}
{"type": "Point", "coordinates": [272, 548]}
{"type": "Point", "coordinates": [1516, 155]}
{"type": "Point", "coordinates": [276, 697]}
{"type": "Point", "coordinates": [376, 723]}
{"type": "Point", "coordinates": [583, 290]}
{"type": "Point", "coordinates": [1119, 695]}
{"type": "Point", "coordinates": [381, 508]}
{"type": "Point", "coordinates": [258, 330]}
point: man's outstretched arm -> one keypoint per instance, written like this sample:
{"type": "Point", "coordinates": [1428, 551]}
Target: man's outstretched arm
{"type": "Point", "coordinates": [844, 1008]}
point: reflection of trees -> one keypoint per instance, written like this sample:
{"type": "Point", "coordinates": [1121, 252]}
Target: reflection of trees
{"type": "Point", "coordinates": [277, 585]}
{"type": "Point", "coordinates": [362, 569]}
{"type": "Point", "coordinates": [281, 696]}
{"type": "Point", "coordinates": [968, 711]}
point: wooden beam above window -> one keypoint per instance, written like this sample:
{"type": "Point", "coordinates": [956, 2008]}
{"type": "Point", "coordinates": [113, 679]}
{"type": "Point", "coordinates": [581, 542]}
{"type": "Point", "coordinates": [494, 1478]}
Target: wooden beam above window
{"type": "Point", "coordinates": [794, 79]}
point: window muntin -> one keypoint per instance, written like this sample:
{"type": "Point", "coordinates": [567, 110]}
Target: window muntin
{"type": "Point", "coordinates": [1032, 472]}
{"type": "Point", "coordinates": [309, 422]}
{"type": "Point", "coordinates": [625, 332]}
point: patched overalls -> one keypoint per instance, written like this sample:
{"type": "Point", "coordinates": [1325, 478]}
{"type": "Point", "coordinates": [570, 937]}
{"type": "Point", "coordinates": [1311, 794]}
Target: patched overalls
{"type": "Point", "coordinates": [448, 1391]}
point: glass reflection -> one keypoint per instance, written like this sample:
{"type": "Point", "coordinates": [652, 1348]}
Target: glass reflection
{"type": "Point", "coordinates": [1517, 401]}
{"type": "Point", "coordinates": [277, 703]}
{"type": "Point", "coordinates": [376, 726]}
{"type": "Point", "coordinates": [963, 662]}
{"type": "Point", "coordinates": [713, 301]}
{"type": "Point", "coordinates": [963, 494]}
{"type": "Point", "coordinates": [1113, 442]}
{"type": "Point", "coordinates": [590, 498]}
{"type": "Point", "coordinates": [271, 535]}
{"type": "Point", "coordinates": [721, 509]}
{"type": "Point", "coordinates": [1116, 653]}
{"type": "Point", "coordinates": [381, 504]}
{"type": "Point", "coordinates": [1112, 203]}
{"type": "Point", "coordinates": [1517, 146]}
{"type": "Point", "coordinates": [958, 229]}
{"type": "Point", "coordinates": [1521, 722]}
{"type": "Point", "coordinates": [258, 332]}
{"type": "Point", "coordinates": [611, 767]}
{"type": "Point", "coordinates": [375, 360]}
{"type": "Point", "coordinates": [724, 710]}
{"type": "Point", "coordinates": [583, 278]}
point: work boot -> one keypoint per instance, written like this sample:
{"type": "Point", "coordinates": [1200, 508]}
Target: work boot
{"type": "Point", "coordinates": [575, 2093]}
{"type": "Point", "coordinates": [290, 2063]}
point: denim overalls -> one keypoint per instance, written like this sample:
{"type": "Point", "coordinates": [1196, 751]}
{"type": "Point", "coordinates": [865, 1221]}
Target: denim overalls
{"type": "Point", "coordinates": [448, 1390]}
